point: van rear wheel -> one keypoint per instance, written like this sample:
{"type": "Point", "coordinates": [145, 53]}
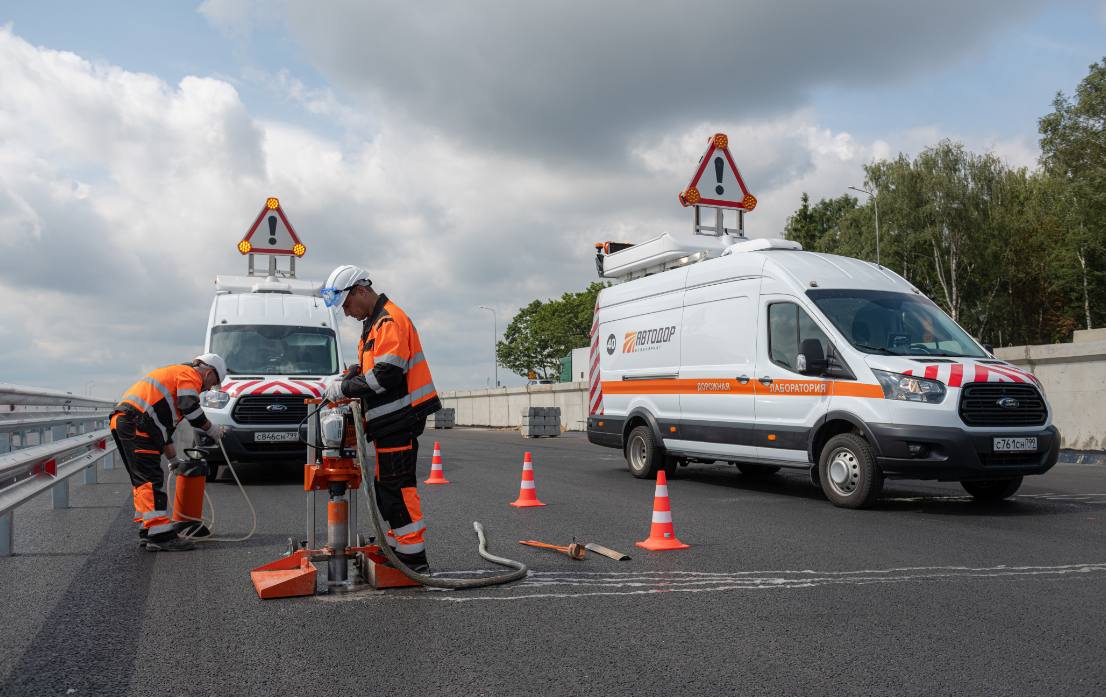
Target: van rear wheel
{"type": "Point", "coordinates": [643, 457]}
{"type": "Point", "coordinates": [993, 489]}
{"type": "Point", "coordinates": [848, 472]}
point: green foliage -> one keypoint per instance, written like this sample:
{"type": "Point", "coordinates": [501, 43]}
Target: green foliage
{"type": "Point", "coordinates": [1017, 257]}
{"type": "Point", "coordinates": [542, 333]}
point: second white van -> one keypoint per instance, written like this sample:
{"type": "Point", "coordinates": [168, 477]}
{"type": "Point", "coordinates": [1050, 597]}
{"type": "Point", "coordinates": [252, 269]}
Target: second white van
{"type": "Point", "coordinates": [761, 354]}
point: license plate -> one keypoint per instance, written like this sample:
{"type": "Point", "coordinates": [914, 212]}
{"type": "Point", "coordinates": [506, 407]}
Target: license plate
{"type": "Point", "coordinates": [275, 436]}
{"type": "Point", "coordinates": [1014, 445]}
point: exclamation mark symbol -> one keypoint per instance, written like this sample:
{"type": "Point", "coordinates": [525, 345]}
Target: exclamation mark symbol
{"type": "Point", "coordinates": [272, 229]}
{"type": "Point", "coordinates": [718, 165]}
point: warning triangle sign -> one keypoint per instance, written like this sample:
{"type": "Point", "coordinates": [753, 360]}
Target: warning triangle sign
{"type": "Point", "coordinates": [717, 182]}
{"type": "Point", "coordinates": [271, 233]}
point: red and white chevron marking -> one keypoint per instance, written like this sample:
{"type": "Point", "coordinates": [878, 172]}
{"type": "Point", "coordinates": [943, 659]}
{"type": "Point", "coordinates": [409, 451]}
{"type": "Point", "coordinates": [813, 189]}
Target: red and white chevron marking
{"type": "Point", "coordinates": [275, 386]}
{"type": "Point", "coordinates": [595, 395]}
{"type": "Point", "coordinates": [957, 374]}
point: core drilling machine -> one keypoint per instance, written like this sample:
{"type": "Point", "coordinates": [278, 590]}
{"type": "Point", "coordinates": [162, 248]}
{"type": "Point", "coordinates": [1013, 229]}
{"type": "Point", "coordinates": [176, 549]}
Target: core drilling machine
{"type": "Point", "coordinates": [336, 463]}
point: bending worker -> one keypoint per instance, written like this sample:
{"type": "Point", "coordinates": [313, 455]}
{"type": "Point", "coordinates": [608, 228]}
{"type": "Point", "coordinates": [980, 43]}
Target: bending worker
{"type": "Point", "coordinates": [142, 426]}
{"type": "Point", "coordinates": [397, 394]}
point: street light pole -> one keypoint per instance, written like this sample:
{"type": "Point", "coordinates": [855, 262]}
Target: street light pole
{"type": "Point", "coordinates": [875, 204]}
{"type": "Point", "coordinates": [495, 334]}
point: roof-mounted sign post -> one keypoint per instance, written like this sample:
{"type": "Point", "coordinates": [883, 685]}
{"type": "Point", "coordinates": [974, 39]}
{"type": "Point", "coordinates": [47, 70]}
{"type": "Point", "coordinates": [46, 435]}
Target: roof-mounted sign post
{"type": "Point", "coordinates": [717, 184]}
{"type": "Point", "coordinates": [272, 234]}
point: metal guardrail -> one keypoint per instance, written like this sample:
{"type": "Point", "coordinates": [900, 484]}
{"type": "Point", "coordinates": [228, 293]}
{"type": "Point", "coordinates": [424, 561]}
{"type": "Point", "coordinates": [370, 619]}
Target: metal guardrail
{"type": "Point", "coordinates": [30, 470]}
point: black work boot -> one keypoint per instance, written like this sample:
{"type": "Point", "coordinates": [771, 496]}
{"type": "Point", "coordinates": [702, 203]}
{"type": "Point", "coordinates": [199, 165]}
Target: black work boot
{"type": "Point", "coordinates": [192, 529]}
{"type": "Point", "coordinates": [143, 537]}
{"type": "Point", "coordinates": [170, 543]}
{"type": "Point", "coordinates": [415, 562]}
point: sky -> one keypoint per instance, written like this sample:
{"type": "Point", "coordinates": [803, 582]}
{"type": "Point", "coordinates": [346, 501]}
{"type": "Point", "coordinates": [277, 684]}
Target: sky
{"type": "Point", "coordinates": [467, 154]}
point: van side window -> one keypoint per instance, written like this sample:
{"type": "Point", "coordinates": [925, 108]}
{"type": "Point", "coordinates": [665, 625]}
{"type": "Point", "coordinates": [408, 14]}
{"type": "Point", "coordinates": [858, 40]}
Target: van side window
{"type": "Point", "coordinates": [788, 326]}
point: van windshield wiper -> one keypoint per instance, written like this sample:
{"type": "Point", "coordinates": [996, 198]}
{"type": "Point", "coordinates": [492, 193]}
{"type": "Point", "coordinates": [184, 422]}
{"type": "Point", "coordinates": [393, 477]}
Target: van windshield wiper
{"type": "Point", "coordinates": [877, 349]}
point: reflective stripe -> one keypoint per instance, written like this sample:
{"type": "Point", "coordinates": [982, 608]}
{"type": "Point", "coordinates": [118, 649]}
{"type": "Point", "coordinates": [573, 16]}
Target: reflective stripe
{"type": "Point", "coordinates": [149, 515]}
{"type": "Point", "coordinates": [417, 358]}
{"type": "Point", "coordinates": [527, 484]}
{"type": "Point", "coordinates": [391, 359]}
{"type": "Point", "coordinates": [410, 549]}
{"type": "Point", "coordinates": [186, 392]}
{"type": "Point", "coordinates": [410, 528]}
{"type": "Point", "coordinates": [194, 414]}
{"type": "Point", "coordinates": [423, 391]}
{"type": "Point", "coordinates": [166, 394]}
{"type": "Point", "coordinates": [388, 408]}
{"type": "Point", "coordinates": [662, 516]}
{"type": "Point", "coordinates": [662, 490]}
{"type": "Point", "coordinates": [142, 403]}
{"type": "Point", "coordinates": [374, 384]}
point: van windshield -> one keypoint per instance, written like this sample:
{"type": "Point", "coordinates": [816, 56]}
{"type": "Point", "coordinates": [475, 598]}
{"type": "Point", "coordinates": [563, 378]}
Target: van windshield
{"type": "Point", "coordinates": [894, 324]}
{"type": "Point", "coordinates": [267, 349]}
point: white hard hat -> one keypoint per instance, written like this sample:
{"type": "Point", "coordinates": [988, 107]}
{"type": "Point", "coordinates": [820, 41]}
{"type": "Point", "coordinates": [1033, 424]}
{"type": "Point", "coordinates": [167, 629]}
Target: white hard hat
{"type": "Point", "coordinates": [340, 281]}
{"type": "Point", "coordinates": [215, 361]}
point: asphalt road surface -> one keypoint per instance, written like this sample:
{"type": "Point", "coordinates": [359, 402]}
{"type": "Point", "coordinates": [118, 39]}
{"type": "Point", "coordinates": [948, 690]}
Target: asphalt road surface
{"type": "Point", "coordinates": [929, 593]}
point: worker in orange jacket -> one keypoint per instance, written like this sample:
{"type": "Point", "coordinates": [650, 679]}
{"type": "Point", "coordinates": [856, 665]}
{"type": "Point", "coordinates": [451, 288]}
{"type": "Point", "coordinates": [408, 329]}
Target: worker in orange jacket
{"type": "Point", "coordinates": [142, 426]}
{"type": "Point", "coordinates": [393, 381]}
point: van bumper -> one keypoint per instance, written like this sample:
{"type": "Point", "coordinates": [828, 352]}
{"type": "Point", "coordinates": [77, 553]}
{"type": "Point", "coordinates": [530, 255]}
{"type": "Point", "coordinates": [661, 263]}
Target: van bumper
{"type": "Point", "coordinates": [605, 431]}
{"type": "Point", "coordinates": [953, 454]}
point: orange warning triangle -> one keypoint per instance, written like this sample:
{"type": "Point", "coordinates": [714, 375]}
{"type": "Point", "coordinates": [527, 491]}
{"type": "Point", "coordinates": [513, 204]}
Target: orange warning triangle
{"type": "Point", "coordinates": [271, 233]}
{"type": "Point", "coordinates": [717, 182]}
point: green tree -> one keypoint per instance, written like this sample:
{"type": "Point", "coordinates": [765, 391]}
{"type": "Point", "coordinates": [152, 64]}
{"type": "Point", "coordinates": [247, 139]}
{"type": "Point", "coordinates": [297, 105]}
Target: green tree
{"type": "Point", "coordinates": [1073, 151]}
{"type": "Point", "coordinates": [542, 333]}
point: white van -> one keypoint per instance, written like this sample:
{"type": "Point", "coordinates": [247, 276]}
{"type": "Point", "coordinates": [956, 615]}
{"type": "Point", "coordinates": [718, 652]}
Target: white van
{"type": "Point", "coordinates": [758, 353]}
{"type": "Point", "coordinates": [279, 342]}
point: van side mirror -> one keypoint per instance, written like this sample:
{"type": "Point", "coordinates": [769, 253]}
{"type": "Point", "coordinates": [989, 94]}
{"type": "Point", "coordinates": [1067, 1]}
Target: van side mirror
{"type": "Point", "coordinates": [989, 349]}
{"type": "Point", "coordinates": [811, 359]}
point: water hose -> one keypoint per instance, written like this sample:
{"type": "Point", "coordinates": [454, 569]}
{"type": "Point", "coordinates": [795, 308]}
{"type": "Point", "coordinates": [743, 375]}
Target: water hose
{"type": "Point", "coordinates": [368, 488]}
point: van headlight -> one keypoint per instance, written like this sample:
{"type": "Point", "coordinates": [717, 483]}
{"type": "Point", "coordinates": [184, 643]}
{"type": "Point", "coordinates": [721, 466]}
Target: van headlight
{"type": "Point", "coordinates": [909, 388]}
{"type": "Point", "coordinates": [214, 399]}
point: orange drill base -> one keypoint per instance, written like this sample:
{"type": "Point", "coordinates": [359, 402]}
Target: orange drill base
{"type": "Point", "coordinates": [377, 572]}
{"type": "Point", "coordinates": [288, 577]}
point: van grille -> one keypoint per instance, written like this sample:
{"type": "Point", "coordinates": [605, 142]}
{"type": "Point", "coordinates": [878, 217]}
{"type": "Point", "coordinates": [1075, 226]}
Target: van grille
{"type": "Point", "coordinates": [979, 405]}
{"type": "Point", "coordinates": [255, 409]}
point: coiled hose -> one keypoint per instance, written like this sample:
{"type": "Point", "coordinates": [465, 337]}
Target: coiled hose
{"type": "Point", "coordinates": [211, 523]}
{"type": "Point", "coordinates": [368, 488]}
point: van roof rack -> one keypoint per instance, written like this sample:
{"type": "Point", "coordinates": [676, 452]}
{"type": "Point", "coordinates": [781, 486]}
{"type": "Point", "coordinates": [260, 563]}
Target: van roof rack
{"type": "Point", "coordinates": [621, 261]}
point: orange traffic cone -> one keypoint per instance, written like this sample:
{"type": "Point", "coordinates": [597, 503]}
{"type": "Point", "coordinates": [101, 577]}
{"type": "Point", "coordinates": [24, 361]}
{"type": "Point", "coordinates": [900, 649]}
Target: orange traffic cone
{"type": "Point", "coordinates": [527, 494]}
{"type": "Point", "coordinates": [436, 475]}
{"type": "Point", "coordinates": [661, 534]}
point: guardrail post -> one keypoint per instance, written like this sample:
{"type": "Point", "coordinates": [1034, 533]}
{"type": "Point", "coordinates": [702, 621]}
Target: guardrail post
{"type": "Point", "coordinates": [61, 494]}
{"type": "Point", "coordinates": [6, 534]}
{"type": "Point", "coordinates": [109, 461]}
{"type": "Point", "coordinates": [90, 474]}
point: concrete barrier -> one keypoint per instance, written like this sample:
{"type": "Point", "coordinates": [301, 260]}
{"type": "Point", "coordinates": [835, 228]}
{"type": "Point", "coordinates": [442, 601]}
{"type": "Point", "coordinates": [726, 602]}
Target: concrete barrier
{"type": "Point", "coordinates": [1074, 378]}
{"type": "Point", "coordinates": [503, 407]}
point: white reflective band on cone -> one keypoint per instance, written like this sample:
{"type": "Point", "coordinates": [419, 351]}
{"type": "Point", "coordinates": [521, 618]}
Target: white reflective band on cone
{"type": "Point", "coordinates": [662, 516]}
{"type": "Point", "coordinates": [662, 491]}
{"type": "Point", "coordinates": [527, 485]}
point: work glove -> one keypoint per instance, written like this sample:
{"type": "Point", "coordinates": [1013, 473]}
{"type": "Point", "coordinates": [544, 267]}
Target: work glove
{"type": "Point", "coordinates": [333, 390]}
{"type": "Point", "coordinates": [352, 371]}
{"type": "Point", "coordinates": [216, 431]}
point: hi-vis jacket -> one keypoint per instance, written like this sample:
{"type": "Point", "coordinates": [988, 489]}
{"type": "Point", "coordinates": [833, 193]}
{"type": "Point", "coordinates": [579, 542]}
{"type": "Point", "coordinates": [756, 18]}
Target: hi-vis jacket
{"type": "Point", "coordinates": [167, 395]}
{"type": "Point", "coordinates": [394, 384]}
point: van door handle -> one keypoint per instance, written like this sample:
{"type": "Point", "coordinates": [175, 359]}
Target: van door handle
{"type": "Point", "coordinates": [743, 379]}
{"type": "Point", "coordinates": [766, 380]}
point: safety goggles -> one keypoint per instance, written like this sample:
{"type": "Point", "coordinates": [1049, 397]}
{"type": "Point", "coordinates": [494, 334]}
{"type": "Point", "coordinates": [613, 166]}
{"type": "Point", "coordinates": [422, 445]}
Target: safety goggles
{"type": "Point", "coordinates": [334, 296]}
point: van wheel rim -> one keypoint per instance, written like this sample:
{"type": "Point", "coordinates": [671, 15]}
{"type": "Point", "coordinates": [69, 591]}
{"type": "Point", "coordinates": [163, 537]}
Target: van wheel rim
{"type": "Point", "coordinates": [637, 454]}
{"type": "Point", "coordinates": [844, 472]}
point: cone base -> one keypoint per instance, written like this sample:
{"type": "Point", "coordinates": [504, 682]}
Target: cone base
{"type": "Point", "coordinates": [526, 504]}
{"type": "Point", "coordinates": [655, 545]}
{"type": "Point", "coordinates": [440, 480]}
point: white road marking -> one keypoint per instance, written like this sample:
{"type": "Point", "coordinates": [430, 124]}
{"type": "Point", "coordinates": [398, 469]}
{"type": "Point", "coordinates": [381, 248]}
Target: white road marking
{"type": "Point", "coordinates": [581, 584]}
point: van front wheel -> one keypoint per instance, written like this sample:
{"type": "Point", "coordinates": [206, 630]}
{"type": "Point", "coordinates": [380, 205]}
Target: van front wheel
{"type": "Point", "coordinates": [642, 454]}
{"type": "Point", "coordinates": [848, 472]}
